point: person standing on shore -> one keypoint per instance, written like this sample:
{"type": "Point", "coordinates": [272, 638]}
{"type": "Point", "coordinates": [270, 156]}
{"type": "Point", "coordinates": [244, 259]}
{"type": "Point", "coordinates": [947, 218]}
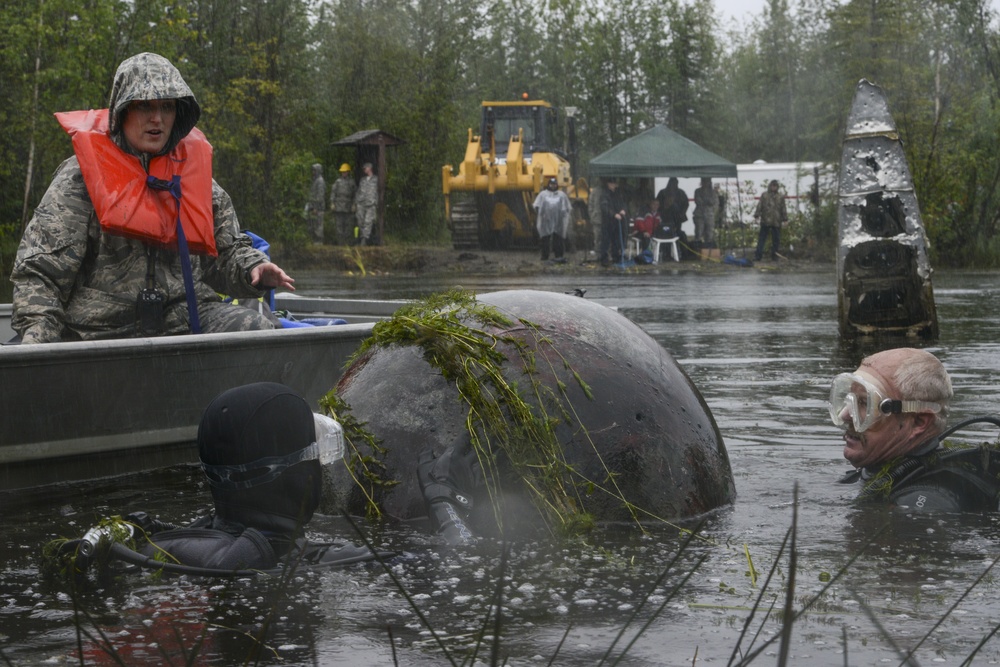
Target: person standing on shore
{"type": "Point", "coordinates": [673, 205]}
{"type": "Point", "coordinates": [553, 212]}
{"type": "Point", "coordinates": [771, 214]}
{"type": "Point", "coordinates": [594, 214]}
{"type": "Point", "coordinates": [366, 204]}
{"type": "Point", "coordinates": [316, 204]}
{"type": "Point", "coordinates": [613, 221]}
{"type": "Point", "coordinates": [706, 206]}
{"type": "Point", "coordinates": [342, 204]}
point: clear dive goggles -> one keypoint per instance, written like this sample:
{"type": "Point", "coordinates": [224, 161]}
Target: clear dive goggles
{"type": "Point", "coordinates": [328, 448]}
{"type": "Point", "coordinates": [857, 396]}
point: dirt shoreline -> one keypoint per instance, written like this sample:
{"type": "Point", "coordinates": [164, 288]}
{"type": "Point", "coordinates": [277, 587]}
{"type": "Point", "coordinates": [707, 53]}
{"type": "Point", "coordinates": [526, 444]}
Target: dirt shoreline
{"type": "Point", "coordinates": [428, 259]}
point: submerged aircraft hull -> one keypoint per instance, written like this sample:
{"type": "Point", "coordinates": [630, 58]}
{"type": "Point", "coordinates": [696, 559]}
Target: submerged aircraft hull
{"type": "Point", "coordinates": [884, 274]}
{"type": "Point", "coordinates": [644, 422]}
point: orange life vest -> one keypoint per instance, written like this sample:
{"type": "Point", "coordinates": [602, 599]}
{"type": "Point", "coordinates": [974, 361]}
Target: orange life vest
{"type": "Point", "coordinates": [125, 205]}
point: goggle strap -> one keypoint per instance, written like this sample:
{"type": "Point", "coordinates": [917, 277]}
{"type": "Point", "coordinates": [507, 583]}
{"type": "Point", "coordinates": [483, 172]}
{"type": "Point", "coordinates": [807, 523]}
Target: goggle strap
{"type": "Point", "coordinates": [220, 476]}
{"type": "Point", "coordinates": [921, 406]}
{"type": "Point", "coordinates": [891, 406]}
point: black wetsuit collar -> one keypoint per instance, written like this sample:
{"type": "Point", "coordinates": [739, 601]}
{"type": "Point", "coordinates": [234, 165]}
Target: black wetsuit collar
{"type": "Point", "coordinates": [903, 463]}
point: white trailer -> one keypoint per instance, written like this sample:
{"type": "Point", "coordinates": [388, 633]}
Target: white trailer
{"type": "Point", "coordinates": [797, 180]}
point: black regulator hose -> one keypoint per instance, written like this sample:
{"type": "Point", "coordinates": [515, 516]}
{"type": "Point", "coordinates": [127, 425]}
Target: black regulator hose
{"type": "Point", "coordinates": [86, 553]}
{"type": "Point", "coordinates": [133, 557]}
{"type": "Point", "coordinates": [983, 419]}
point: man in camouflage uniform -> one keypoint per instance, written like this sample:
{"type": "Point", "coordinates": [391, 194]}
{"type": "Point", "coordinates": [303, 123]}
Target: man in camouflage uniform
{"type": "Point", "coordinates": [706, 206]}
{"type": "Point", "coordinates": [317, 204]}
{"type": "Point", "coordinates": [72, 281]}
{"type": "Point", "coordinates": [771, 215]}
{"type": "Point", "coordinates": [720, 212]}
{"type": "Point", "coordinates": [366, 203]}
{"type": "Point", "coordinates": [342, 204]}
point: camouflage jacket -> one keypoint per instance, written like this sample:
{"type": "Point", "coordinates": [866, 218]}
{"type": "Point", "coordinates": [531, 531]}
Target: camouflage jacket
{"type": "Point", "coordinates": [706, 203]}
{"type": "Point", "coordinates": [73, 281]}
{"type": "Point", "coordinates": [771, 209]}
{"type": "Point", "coordinates": [317, 194]}
{"type": "Point", "coordinates": [367, 194]}
{"type": "Point", "coordinates": [342, 195]}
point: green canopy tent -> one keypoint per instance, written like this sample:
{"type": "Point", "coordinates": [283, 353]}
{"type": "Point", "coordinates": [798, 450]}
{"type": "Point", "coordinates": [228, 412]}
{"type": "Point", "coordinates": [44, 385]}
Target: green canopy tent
{"type": "Point", "coordinates": [660, 152]}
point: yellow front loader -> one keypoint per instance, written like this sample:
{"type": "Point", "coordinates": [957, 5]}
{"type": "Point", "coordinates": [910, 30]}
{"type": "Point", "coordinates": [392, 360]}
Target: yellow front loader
{"type": "Point", "coordinates": [488, 202]}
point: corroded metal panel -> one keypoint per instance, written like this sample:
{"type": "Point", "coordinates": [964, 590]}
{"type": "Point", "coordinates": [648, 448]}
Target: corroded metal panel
{"type": "Point", "coordinates": [884, 273]}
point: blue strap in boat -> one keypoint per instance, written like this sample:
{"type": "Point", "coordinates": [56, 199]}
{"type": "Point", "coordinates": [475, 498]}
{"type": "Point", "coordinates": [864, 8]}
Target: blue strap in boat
{"type": "Point", "coordinates": [173, 186]}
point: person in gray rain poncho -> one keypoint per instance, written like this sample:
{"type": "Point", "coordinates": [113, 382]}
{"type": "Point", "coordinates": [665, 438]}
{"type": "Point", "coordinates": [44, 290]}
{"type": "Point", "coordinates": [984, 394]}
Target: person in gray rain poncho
{"type": "Point", "coordinates": [133, 236]}
{"type": "Point", "coordinates": [553, 217]}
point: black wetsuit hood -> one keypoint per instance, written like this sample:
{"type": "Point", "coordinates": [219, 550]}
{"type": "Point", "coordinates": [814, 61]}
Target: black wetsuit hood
{"type": "Point", "coordinates": [253, 422]}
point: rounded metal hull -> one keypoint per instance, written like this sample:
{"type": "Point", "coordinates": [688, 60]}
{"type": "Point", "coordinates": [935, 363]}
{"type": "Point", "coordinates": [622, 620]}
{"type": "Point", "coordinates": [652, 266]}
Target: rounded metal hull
{"type": "Point", "coordinates": [645, 423]}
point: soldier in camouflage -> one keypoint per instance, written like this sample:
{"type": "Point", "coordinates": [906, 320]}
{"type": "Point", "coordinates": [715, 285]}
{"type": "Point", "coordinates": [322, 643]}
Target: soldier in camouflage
{"type": "Point", "coordinates": [366, 203]}
{"type": "Point", "coordinates": [771, 214]}
{"type": "Point", "coordinates": [706, 206]}
{"type": "Point", "coordinates": [317, 203]}
{"type": "Point", "coordinates": [342, 204]}
{"type": "Point", "coordinates": [72, 281]}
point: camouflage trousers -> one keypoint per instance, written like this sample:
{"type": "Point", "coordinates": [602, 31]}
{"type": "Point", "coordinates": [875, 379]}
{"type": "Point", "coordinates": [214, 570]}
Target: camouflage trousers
{"type": "Point", "coordinates": [213, 317]}
{"type": "Point", "coordinates": [316, 225]}
{"type": "Point", "coordinates": [366, 220]}
{"type": "Point", "coordinates": [247, 315]}
{"type": "Point", "coordinates": [704, 228]}
{"type": "Point", "coordinates": [345, 227]}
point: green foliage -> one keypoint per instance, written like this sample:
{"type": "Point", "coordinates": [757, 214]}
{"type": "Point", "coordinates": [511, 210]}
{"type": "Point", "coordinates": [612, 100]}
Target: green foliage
{"type": "Point", "coordinates": [366, 458]}
{"type": "Point", "coordinates": [291, 182]}
{"type": "Point", "coordinates": [281, 80]}
{"type": "Point", "coordinates": [63, 558]}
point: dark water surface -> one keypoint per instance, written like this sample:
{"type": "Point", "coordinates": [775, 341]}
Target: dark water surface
{"type": "Point", "coordinates": [762, 347]}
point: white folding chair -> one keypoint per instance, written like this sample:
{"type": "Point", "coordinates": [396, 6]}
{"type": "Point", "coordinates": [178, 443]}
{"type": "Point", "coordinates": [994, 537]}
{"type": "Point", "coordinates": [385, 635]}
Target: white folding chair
{"type": "Point", "coordinates": [634, 248]}
{"type": "Point", "coordinates": [657, 243]}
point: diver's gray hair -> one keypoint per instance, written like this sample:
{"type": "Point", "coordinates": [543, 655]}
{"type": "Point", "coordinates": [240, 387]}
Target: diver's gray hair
{"type": "Point", "coordinates": [922, 377]}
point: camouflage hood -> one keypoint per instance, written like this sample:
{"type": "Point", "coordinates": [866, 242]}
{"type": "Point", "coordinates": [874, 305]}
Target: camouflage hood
{"type": "Point", "coordinates": [148, 76]}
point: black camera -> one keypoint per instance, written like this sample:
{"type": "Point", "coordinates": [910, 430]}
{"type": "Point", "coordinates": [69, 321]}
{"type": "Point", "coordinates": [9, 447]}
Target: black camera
{"type": "Point", "coordinates": [149, 311]}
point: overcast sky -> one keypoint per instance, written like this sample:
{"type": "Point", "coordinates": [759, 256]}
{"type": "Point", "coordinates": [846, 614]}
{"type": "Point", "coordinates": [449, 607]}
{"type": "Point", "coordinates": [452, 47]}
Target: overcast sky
{"type": "Point", "coordinates": [738, 9]}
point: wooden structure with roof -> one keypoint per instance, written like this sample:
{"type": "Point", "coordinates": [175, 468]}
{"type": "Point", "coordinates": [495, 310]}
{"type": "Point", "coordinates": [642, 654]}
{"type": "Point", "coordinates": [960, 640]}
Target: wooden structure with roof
{"type": "Point", "coordinates": [370, 146]}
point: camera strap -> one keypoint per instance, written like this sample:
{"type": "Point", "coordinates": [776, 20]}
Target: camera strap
{"type": "Point", "coordinates": [150, 268]}
{"type": "Point", "coordinates": [173, 186]}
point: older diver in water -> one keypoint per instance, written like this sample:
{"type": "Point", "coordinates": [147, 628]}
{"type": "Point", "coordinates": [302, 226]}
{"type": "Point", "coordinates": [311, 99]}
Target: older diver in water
{"type": "Point", "coordinates": [893, 410]}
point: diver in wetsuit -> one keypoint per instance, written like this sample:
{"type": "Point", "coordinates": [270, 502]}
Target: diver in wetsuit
{"type": "Point", "coordinates": [893, 410]}
{"type": "Point", "coordinates": [262, 449]}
